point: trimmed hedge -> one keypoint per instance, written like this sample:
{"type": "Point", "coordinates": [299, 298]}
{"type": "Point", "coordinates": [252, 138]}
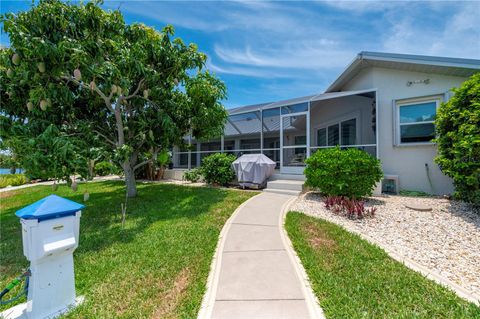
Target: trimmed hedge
{"type": "Point", "coordinates": [349, 172]}
{"type": "Point", "coordinates": [217, 168]}
{"type": "Point", "coordinates": [458, 139]}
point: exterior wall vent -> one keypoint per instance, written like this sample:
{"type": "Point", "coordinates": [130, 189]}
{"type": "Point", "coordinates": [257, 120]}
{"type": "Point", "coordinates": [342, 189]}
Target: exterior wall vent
{"type": "Point", "coordinates": [390, 184]}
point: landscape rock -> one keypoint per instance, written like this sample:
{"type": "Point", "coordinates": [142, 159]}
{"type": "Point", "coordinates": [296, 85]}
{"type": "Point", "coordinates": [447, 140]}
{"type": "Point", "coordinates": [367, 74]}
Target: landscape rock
{"type": "Point", "coordinates": [445, 239]}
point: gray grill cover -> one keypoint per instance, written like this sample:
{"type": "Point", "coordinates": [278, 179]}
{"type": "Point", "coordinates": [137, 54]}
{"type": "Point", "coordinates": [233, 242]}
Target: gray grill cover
{"type": "Point", "coordinates": [253, 169]}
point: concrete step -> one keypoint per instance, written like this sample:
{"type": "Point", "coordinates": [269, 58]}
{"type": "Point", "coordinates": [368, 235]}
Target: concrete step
{"type": "Point", "coordinates": [291, 185]}
{"type": "Point", "coordinates": [282, 191]}
{"type": "Point", "coordinates": [294, 177]}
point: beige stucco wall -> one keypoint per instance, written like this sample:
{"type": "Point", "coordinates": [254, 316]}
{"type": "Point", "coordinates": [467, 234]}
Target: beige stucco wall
{"type": "Point", "coordinates": [406, 161]}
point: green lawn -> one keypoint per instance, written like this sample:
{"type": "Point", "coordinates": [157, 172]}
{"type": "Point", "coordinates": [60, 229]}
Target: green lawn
{"type": "Point", "coordinates": [354, 279]}
{"type": "Point", "coordinates": [156, 267]}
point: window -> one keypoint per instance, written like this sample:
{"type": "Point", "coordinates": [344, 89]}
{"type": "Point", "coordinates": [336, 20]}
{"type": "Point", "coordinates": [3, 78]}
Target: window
{"type": "Point", "coordinates": [349, 132]}
{"type": "Point", "coordinates": [333, 134]}
{"type": "Point", "coordinates": [416, 121]}
{"type": "Point", "coordinates": [322, 137]}
{"type": "Point", "coordinates": [301, 140]}
{"type": "Point", "coordinates": [340, 133]}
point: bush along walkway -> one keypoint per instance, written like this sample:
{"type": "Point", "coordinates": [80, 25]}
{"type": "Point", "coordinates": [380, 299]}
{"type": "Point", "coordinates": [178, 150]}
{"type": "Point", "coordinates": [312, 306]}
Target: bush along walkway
{"type": "Point", "coordinates": [254, 273]}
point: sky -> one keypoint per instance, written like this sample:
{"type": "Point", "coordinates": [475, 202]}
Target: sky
{"type": "Point", "coordinates": [269, 51]}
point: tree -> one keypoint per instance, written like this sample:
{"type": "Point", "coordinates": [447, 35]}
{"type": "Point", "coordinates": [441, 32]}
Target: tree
{"type": "Point", "coordinates": [458, 138]}
{"type": "Point", "coordinates": [85, 71]}
{"type": "Point", "coordinates": [8, 161]}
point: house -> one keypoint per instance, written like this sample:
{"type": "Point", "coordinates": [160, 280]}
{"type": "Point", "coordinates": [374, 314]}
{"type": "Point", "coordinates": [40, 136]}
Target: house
{"type": "Point", "coordinates": [382, 103]}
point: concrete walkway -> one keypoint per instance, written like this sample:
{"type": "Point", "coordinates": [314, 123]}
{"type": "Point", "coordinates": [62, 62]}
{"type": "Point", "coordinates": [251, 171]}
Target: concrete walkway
{"type": "Point", "coordinates": [255, 273]}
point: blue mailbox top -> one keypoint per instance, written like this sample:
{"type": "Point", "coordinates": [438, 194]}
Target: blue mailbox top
{"type": "Point", "coordinates": [50, 207]}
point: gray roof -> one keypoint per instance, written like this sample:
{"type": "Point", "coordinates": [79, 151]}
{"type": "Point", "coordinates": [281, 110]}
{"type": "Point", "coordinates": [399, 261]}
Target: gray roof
{"type": "Point", "coordinates": [419, 63]}
{"type": "Point", "coordinates": [243, 109]}
{"type": "Point", "coordinates": [298, 100]}
{"type": "Point", "coordinates": [250, 123]}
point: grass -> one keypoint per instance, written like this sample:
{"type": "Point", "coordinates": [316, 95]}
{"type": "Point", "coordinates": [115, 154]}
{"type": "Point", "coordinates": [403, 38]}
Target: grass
{"type": "Point", "coordinates": [411, 193]}
{"type": "Point", "coordinates": [12, 180]}
{"type": "Point", "coordinates": [156, 267]}
{"type": "Point", "coordinates": [355, 279]}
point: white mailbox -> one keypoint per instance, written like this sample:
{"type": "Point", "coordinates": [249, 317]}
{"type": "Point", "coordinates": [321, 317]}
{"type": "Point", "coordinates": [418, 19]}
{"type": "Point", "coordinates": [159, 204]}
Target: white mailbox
{"type": "Point", "coordinates": [50, 232]}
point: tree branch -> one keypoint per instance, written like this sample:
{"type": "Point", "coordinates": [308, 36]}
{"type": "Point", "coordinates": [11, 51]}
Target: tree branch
{"type": "Point", "coordinates": [139, 86]}
{"type": "Point", "coordinates": [106, 138]}
{"type": "Point", "coordinates": [96, 89]}
{"type": "Point", "coordinates": [141, 164]}
{"type": "Point", "coordinates": [154, 158]}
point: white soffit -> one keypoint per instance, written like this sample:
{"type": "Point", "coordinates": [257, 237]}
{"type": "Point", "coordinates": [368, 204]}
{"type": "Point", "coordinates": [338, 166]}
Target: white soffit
{"type": "Point", "coordinates": [335, 95]}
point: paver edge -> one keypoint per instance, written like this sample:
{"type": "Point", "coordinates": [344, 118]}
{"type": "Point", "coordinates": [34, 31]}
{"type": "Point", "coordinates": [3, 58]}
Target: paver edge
{"type": "Point", "coordinates": [208, 300]}
{"type": "Point", "coordinates": [428, 273]}
{"type": "Point", "coordinates": [433, 275]}
{"type": "Point", "coordinates": [311, 299]}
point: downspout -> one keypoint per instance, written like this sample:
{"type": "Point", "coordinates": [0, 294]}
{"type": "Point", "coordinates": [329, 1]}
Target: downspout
{"type": "Point", "coordinates": [427, 170]}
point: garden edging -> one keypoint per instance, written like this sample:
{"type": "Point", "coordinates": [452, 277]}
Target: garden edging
{"type": "Point", "coordinates": [428, 273]}
{"type": "Point", "coordinates": [311, 299]}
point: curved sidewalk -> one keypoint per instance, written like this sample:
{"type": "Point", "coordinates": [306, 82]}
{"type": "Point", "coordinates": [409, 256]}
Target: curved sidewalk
{"type": "Point", "coordinates": [255, 273]}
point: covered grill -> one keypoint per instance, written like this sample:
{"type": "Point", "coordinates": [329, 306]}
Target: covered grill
{"type": "Point", "coordinates": [252, 170]}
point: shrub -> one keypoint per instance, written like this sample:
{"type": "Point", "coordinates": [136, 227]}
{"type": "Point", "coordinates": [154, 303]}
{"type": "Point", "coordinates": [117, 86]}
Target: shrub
{"type": "Point", "coordinates": [105, 168]}
{"type": "Point", "coordinates": [349, 173]}
{"type": "Point", "coordinates": [217, 168]}
{"type": "Point", "coordinates": [193, 175]}
{"type": "Point", "coordinates": [458, 138]}
{"type": "Point", "coordinates": [352, 208]}
{"type": "Point", "coordinates": [12, 180]}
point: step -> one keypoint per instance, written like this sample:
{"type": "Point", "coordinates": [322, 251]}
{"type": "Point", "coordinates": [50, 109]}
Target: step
{"type": "Point", "coordinates": [282, 191]}
{"type": "Point", "coordinates": [294, 177]}
{"type": "Point", "coordinates": [291, 185]}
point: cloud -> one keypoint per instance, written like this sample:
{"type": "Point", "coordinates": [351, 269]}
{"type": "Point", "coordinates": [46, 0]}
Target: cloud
{"type": "Point", "coordinates": [457, 34]}
{"type": "Point", "coordinates": [246, 71]}
{"type": "Point", "coordinates": [200, 16]}
{"type": "Point", "coordinates": [364, 5]}
{"type": "Point", "coordinates": [270, 50]}
{"type": "Point", "coordinates": [306, 54]}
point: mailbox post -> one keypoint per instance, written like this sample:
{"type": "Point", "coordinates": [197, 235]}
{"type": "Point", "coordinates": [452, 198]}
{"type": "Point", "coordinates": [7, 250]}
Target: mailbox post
{"type": "Point", "coordinates": [50, 233]}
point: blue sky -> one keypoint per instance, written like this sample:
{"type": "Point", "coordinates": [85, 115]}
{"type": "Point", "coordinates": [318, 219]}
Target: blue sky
{"type": "Point", "coordinates": [268, 51]}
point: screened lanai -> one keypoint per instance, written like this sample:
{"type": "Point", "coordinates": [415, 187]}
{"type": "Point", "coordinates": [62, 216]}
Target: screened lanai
{"type": "Point", "coordinates": [290, 131]}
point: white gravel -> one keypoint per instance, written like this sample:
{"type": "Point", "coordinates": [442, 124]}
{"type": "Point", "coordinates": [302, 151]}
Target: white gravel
{"type": "Point", "coordinates": [445, 240]}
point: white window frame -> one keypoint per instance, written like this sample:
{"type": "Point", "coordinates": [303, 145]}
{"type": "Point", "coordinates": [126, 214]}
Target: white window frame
{"type": "Point", "coordinates": [437, 99]}
{"type": "Point", "coordinates": [337, 121]}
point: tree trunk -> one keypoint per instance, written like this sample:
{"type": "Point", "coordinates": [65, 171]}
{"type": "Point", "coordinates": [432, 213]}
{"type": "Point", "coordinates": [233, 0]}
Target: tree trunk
{"type": "Point", "coordinates": [91, 167]}
{"type": "Point", "coordinates": [130, 180]}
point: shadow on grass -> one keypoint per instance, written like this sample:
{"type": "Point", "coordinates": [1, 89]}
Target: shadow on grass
{"type": "Point", "coordinates": [101, 219]}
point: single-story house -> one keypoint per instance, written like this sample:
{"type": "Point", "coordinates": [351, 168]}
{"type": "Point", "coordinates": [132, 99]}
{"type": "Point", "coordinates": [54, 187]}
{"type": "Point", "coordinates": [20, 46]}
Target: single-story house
{"type": "Point", "coordinates": [382, 103]}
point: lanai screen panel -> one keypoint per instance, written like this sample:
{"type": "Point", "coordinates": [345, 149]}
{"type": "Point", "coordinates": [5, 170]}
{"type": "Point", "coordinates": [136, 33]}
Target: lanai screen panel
{"type": "Point", "coordinates": [243, 131]}
{"type": "Point", "coordinates": [271, 134]}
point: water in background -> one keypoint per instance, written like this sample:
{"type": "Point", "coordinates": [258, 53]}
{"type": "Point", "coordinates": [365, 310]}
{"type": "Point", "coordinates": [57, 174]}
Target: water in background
{"type": "Point", "coordinates": [4, 171]}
